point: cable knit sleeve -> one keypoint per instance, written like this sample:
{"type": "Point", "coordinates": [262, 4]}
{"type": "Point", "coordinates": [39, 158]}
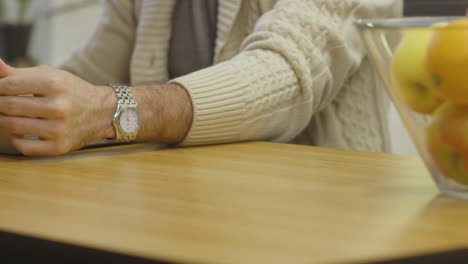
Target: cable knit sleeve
{"type": "Point", "coordinates": [95, 61]}
{"type": "Point", "coordinates": [291, 67]}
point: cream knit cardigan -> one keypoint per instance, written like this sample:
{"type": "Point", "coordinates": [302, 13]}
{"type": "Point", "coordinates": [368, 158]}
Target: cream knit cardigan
{"type": "Point", "coordinates": [284, 70]}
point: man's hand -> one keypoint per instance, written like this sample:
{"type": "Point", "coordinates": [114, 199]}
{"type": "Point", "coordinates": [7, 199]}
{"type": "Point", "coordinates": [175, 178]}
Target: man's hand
{"type": "Point", "coordinates": [63, 111]}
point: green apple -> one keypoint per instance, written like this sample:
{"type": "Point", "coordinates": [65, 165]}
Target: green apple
{"type": "Point", "coordinates": [408, 71]}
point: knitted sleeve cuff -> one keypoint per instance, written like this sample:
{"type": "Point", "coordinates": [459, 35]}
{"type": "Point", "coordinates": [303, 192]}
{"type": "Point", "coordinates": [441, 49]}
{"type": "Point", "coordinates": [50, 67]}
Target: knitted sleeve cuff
{"type": "Point", "coordinates": [218, 104]}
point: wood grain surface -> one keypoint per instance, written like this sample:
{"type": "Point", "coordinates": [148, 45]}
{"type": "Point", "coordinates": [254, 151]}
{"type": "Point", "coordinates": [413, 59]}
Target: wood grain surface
{"type": "Point", "coordinates": [241, 203]}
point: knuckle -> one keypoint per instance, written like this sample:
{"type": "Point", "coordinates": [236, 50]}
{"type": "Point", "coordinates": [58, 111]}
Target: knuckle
{"type": "Point", "coordinates": [63, 73]}
{"type": "Point", "coordinates": [60, 109]}
{"type": "Point", "coordinates": [12, 84]}
{"type": "Point", "coordinates": [43, 68]}
{"type": "Point", "coordinates": [21, 148]}
{"type": "Point", "coordinates": [11, 105]}
{"type": "Point", "coordinates": [55, 83]}
{"type": "Point", "coordinates": [14, 126]}
{"type": "Point", "coordinates": [58, 147]}
{"type": "Point", "coordinates": [61, 131]}
{"type": "Point", "coordinates": [58, 131]}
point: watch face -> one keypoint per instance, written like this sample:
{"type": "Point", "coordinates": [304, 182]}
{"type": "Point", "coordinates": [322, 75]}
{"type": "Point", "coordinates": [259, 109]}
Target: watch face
{"type": "Point", "coordinates": [129, 121]}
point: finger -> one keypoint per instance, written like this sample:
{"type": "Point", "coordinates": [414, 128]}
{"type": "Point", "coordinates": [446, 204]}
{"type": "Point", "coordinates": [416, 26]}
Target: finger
{"type": "Point", "coordinates": [30, 106]}
{"type": "Point", "coordinates": [37, 147]}
{"type": "Point", "coordinates": [5, 69]}
{"type": "Point", "coordinates": [35, 82]}
{"type": "Point", "coordinates": [46, 129]}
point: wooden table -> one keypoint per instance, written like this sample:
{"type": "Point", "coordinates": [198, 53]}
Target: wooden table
{"type": "Point", "coordinates": [243, 203]}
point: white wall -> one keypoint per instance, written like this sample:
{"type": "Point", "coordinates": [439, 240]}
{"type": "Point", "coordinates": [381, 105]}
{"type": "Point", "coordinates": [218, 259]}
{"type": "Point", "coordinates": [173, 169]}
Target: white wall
{"type": "Point", "coordinates": [39, 47]}
{"type": "Point", "coordinates": [70, 30]}
{"type": "Point", "coordinates": [401, 141]}
{"type": "Point", "coordinates": [57, 36]}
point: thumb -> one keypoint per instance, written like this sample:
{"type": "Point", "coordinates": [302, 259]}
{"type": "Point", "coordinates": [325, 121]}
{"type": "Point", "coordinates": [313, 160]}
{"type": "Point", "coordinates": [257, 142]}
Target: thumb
{"type": "Point", "coordinates": [6, 70]}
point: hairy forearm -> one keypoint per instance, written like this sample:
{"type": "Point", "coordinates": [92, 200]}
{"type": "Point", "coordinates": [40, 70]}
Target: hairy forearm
{"type": "Point", "coordinates": [165, 113]}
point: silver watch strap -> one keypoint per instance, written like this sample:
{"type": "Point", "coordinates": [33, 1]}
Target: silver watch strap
{"type": "Point", "coordinates": [124, 97]}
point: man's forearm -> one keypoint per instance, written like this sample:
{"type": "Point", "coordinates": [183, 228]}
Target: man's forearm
{"type": "Point", "coordinates": [165, 113]}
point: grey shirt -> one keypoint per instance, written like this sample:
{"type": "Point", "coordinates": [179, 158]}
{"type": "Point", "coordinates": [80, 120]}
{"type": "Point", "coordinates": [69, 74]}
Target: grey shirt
{"type": "Point", "coordinates": [193, 36]}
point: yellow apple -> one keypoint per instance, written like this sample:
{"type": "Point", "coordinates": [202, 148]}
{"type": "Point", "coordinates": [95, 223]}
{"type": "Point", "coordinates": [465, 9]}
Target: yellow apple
{"type": "Point", "coordinates": [447, 144]}
{"type": "Point", "coordinates": [453, 125]}
{"type": "Point", "coordinates": [447, 62]}
{"type": "Point", "coordinates": [408, 71]}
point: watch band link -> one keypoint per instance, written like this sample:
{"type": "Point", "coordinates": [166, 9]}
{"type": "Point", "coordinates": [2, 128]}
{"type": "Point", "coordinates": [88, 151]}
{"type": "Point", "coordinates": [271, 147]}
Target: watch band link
{"type": "Point", "coordinates": [124, 97]}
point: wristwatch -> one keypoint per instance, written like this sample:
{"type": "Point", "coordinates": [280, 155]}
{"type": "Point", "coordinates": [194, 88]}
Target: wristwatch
{"type": "Point", "coordinates": [126, 119]}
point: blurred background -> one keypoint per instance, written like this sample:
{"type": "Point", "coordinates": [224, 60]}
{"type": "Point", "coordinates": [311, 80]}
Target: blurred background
{"type": "Point", "coordinates": [56, 28]}
{"type": "Point", "coordinates": [60, 26]}
{"type": "Point", "coordinates": [435, 7]}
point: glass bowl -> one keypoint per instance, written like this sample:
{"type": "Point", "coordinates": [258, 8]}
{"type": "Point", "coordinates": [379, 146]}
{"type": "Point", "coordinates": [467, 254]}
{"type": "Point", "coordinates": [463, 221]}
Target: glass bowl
{"type": "Point", "coordinates": [423, 62]}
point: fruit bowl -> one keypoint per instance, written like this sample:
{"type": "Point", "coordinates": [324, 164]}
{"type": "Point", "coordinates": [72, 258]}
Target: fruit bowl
{"type": "Point", "coordinates": [423, 62]}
